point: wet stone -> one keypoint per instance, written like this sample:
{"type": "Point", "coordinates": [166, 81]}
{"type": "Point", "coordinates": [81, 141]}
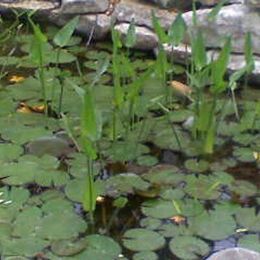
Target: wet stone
{"type": "Point", "coordinates": [235, 254]}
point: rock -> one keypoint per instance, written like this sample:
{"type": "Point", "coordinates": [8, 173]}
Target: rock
{"type": "Point", "coordinates": [52, 145]}
{"type": "Point", "coordinates": [178, 4]}
{"type": "Point", "coordinates": [145, 38]}
{"type": "Point", "coordinates": [234, 20]}
{"type": "Point", "coordinates": [255, 4]}
{"type": "Point", "coordinates": [83, 6]}
{"type": "Point", "coordinates": [235, 254]}
{"type": "Point", "coordinates": [182, 54]}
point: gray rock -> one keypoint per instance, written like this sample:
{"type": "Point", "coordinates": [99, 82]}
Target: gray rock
{"type": "Point", "coordinates": [182, 55]}
{"type": "Point", "coordinates": [145, 38]}
{"type": "Point", "coordinates": [234, 20]}
{"type": "Point", "coordinates": [83, 6]}
{"type": "Point", "coordinates": [253, 3]}
{"type": "Point", "coordinates": [52, 145]}
{"type": "Point", "coordinates": [235, 254]}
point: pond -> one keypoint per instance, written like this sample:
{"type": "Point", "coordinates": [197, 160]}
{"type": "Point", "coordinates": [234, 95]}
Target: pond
{"type": "Point", "coordinates": [112, 153]}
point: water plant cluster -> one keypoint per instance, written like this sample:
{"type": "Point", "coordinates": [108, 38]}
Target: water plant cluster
{"type": "Point", "coordinates": [110, 153]}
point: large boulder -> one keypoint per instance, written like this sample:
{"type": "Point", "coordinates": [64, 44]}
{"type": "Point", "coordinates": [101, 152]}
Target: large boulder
{"type": "Point", "coordinates": [234, 20]}
{"type": "Point", "coordinates": [235, 254]}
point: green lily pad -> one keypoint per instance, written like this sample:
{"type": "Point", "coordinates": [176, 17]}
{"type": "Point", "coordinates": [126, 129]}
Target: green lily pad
{"type": "Point", "coordinates": [100, 248]}
{"type": "Point", "coordinates": [144, 255]}
{"type": "Point", "coordinates": [215, 225]}
{"type": "Point", "coordinates": [28, 246]}
{"type": "Point", "coordinates": [164, 175]}
{"type": "Point", "coordinates": [202, 187]}
{"type": "Point", "coordinates": [170, 230]}
{"type": "Point", "coordinates": [196, 166]}
{"type": "Point", "coordinates": [147, 160]}
{"type": "Point", "coordinates": [180, 116]}
{"type": "Point", "coordinates": [250, 242]}
{"type": "Point", "coordinates": [23, 134]}
{"type": "Point", "coordinates": [244, 154]}
{"type": "Point", "coordinates": [126, 151]}
{"type": "Point", "coordinates": [56, 226]}
{"type": "Point", "coordinates": [10, 152]}
{"type": "Point", "coordinates": [126, 183]}
{"type": "Point", "coordinates": [150, 223]}
{"type": "Point", "coordinates": [243, 188]}
{"type": "Point", "coordinates": [172, 194]}
{"type": "Point", "coordinates": [188, 247]}
{"type": "Point", "coordinates": [139, 239]}
{"type": "Point", "coordinates": [159, 209]}
{"type": "Point", "coordinates": [68, 247]}
{"type": "Point", "coordinates": [24, 228]}
{"type": "Point", "coordinates": [249, 219]}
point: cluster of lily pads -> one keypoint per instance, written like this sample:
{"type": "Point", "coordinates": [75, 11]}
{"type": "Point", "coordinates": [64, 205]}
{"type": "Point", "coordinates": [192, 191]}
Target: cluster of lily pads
{"type": "Point", "coordinates": [183, 204]}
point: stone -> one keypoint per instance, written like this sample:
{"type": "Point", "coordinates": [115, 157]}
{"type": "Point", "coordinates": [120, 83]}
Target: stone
{"type": "Point", "coordinates": [234, 20]}
{"type": "Point", "coordinates": [145, 38]}
{"type": "Point", "coordinates": [253, 3]}
{"type": "Point", "coordinates": [182, 54]}
{"type": "Point", "coordinates": [235, 254]}
{"type": "Point", "coordinates": [83, 6]}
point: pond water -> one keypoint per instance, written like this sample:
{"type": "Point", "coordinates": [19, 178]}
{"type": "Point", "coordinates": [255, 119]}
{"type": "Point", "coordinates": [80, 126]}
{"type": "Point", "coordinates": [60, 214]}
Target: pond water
{"type": "Point", "coordinates": [159, 195]}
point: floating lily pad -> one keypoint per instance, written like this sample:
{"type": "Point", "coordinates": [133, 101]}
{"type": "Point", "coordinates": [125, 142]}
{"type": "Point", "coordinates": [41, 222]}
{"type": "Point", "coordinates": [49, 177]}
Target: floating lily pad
{"type": "Point", "coordinates": [172, 194]}
{"type": "Point", "coordinates": [56, 226]}
{"type": "Point", "coordinates": [28, 246]}
{"type": "Point", "coordinates": [68, 247]}
{"type": "Point", "coordinates": [126, 183]}
{"type": "Point", "coordinates": [249, 219]}
{"type": "Point", "coordinates": [215, 225]}
{"type": "Point", "coordinates": [100, 248]}
{"type": "Point", "coordinates": [9, 152]}
{"type": "Point", "coordinates": [159, 209]}
{"type": "Point", "coordinates": [170, 230]}
{"type": "Point", "coordinates": [243, 188]}
{"type": "Point", "coordinates": [180, 116]}
{"type": "Point", "coordinates": [144, 255]}
{"type": "Point", "coordinates": [126, 151]}
{"type": "Point", "coordinates": [196, 166]}
{"type": "Point", "coordinates": [250, 242]}
{"type": "Point", "coordinates": [164, 175]}
{"type": "Point", "coordinates": [24, 228]}
{"type": "Point", "coordinates": [188, 247]}
{"type": "Point", "coordinates": [140, 239]}
{"type": "Point", "coordinates": [147, 160]}
{"type": "Point", "coordinates": [202, 187]}
{"type": "Point", "coordinates": [244, 154]}
{"type": "Point", "coordinates": [150, 223]}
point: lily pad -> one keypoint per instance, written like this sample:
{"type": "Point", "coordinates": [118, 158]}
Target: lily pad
{"type": "Point", "coordinates": [244, 154]}
{"type": "Point", "coordinates": [188, 247]}
{"type": "Point", "coordinates": [150, 223]}
{"type": "Point", "coordinates": [159, 209]}
{"type": "Point", "coordinates": [251, 242]}
{"type": "Point", "coordinates": [147, 160]}
{"type": "Point", "coordinates": [249, 219]}
{"type": "Point", "coordinates": [196, 166]}
{"type": "Point", "coordinates": [68, 247]}
{"type": "Point", "coordinates": [164, 175]}
{"type": "Point", "coordinates": [144, 255]}
{"type": "Point", "coordinates": [243, 188]}
{"type": "Point", "coordinates": [202, 187]}
{"type": "Point", "coordinates": [215, 225]}
{"type": "Point", "coordinates": [100, 248]}
{"type": "Point", "coordinates": [9, 152]}
{"type": "Point", "coordinates": [140, 239]}
{"type": "Point", "coordinates": [28, 246]}
{"type": "Point", "coordinates": [126, 183]}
